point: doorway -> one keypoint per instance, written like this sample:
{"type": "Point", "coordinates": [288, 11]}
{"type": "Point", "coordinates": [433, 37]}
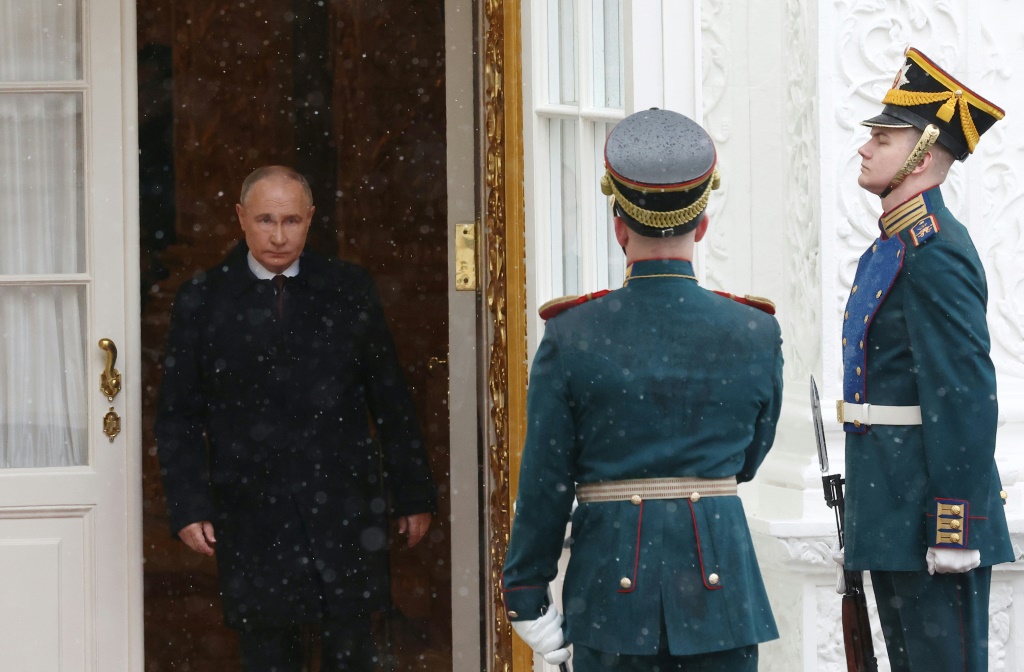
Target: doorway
{"type": "Point", "coordinates": [354, 96]}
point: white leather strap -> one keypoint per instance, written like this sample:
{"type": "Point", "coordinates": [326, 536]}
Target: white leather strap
{"type": "Point", "coordinates": [872, 414]}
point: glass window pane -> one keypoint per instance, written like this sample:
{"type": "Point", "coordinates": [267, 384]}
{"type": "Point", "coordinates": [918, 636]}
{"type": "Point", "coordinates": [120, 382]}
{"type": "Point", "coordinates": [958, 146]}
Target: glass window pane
{"type": "Point", "coordinates": [567, 53]}
{"type": "Point", "coordinates": [562, 50]}
{"type": "Point", "coordinates": [615, 91]}
{"type": "Point", "coordinates": [608, 61]}
{"type": "Point", "coordinates": [43, 404]}
{"type": "Point", "coordinates": [40, 40]}
{"type": "Point", "coordinates": [41, 190]}
{"type": "Point", "coordinates": [564, 203]}
{"type": "Point", "coordinates": [597, 58]}
{"type": "Point", "coordinates": [554, 78]}
{"type": "Point", "coordinates": [615, 266]}
{"type": "Point", "coordinates": [555, 204]}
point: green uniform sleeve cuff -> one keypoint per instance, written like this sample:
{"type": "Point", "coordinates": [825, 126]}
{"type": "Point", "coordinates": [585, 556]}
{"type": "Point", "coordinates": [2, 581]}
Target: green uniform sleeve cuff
{"type": "Point", "coordinates": [524, 603]}
{"type": "Point", "coordinates": [951, 517]}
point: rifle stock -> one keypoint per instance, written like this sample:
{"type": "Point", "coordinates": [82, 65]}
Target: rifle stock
{"type": "Point", "coordinates": [860, 652]}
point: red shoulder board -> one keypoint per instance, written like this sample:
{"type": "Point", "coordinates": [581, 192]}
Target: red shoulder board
{"type": "Point", "coordinates": [564, 303]}
{"type": "Point", "coordinates": [758, 302]}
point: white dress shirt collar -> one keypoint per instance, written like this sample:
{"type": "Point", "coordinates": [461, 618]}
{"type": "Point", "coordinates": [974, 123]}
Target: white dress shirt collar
{"type": "Point", "coordinates": [261, 272]}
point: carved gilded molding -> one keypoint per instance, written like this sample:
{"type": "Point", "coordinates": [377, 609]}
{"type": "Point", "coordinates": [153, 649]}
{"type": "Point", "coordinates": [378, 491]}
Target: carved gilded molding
{"type": "Point", "coordinates": [505, 291]}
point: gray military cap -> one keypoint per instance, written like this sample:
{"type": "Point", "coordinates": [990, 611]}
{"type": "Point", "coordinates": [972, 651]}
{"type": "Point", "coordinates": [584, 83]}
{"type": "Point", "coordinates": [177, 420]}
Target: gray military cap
{"type": "Point", "coordinates": [660, 172]}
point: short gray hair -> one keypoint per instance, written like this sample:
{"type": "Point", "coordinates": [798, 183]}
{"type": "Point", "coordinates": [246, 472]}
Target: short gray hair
{"type": "Point", "coordinates": [275, 171]}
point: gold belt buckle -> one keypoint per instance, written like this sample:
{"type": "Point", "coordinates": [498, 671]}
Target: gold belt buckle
{"type": "Point", "coordinates": [839, 411]}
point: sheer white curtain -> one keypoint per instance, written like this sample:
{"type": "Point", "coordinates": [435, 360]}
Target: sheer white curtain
{"type": "Point", "coordinates": [43, 402]}
{"type": "Point", "coordinates": [579, 101]}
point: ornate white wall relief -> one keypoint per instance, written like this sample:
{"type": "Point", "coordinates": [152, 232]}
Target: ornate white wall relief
{"type": "Point", "coordinates": [999, 634]}
{"type": "Point", "coordinates": [997, 188]}
{"type": "Point", "coordinates": [787, 606]}
{"type": "Point", "coordinates": [830, 647]}
{"type": "Point", "coordinates": [791, 568]}
{"type": "Point", "coordinates": [801, 324]}
{"type": "Point", "coordinates": [715, 24]}
{"type": "Point", "coordinates": [870, 38]}
{"type": "Point", "coordinates": [982, 44]}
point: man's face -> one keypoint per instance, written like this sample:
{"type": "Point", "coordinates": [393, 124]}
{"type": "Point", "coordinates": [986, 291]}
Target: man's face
{"type": "Point", "coordinates": [275, 219]}
{"type": "Point", "coordinates": [883, 155]}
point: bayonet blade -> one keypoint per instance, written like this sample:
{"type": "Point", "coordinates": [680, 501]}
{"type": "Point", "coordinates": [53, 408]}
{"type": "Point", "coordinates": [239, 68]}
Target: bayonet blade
{"type": "Point", "coordinates": [819, 428]}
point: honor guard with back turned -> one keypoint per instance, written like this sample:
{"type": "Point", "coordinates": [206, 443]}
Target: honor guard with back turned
{"type": "Point", "coordinates": [647, 404]}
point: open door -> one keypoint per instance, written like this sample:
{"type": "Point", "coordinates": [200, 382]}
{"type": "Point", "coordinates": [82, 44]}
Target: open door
{"type": "Point", "coordinates": [374, 102]}
{"type": "Point", "coordinates": [70, 571]}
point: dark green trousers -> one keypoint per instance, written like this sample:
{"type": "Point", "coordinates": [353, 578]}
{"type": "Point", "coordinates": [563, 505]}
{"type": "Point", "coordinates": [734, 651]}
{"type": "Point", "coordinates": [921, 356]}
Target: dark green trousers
{"type": "Point", "coordinates": [934, 623]}
{"type": "Point", "coordinates": [744, 659]}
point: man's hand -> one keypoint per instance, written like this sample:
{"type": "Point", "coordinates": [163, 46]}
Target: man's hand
{"type": "Point", "coordinates": [415, 526]}
{"type": "Point", "coordinates": [544, 635]}
{"type": "Point", "coordinates": [952, 560]}
{"type": "Point", "coordinates": [199, 537]}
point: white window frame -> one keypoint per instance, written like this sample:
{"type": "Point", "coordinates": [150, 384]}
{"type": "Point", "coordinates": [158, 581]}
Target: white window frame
{"type": "Point", "coordinates": [661, 56]}
{"type": "Point", "coordinates": [544, 236]}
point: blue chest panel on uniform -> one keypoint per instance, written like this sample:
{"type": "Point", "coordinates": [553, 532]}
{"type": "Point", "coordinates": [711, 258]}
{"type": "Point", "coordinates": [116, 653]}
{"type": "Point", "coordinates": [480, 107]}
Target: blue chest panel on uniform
{"type": "Point", "coordinates": [876, 274]}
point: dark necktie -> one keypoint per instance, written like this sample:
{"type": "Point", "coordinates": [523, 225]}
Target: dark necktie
{"type": "Point", "coordinates": [279, 281]}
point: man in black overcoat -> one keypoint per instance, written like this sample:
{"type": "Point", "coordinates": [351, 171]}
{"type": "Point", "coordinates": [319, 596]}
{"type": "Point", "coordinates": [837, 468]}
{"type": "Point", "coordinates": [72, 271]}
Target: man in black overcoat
{"type": "Point", "coordinates": [278, 362]}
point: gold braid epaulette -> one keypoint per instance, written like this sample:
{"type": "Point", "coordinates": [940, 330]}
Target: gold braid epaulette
{"type": "Point", "coordinates": [661, 220]}
{"type": "Point", "coordinates": [759, 302]}
{"type": "Point", "coordinates": [952, 101]}
{"type": "Point", "coordinates": [563, 303]}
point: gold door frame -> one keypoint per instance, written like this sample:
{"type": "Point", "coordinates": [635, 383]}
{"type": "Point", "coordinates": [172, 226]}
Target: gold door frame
{"type": "Point", "coordinates": [504, 233]}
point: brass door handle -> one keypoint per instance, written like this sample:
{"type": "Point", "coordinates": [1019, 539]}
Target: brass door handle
{"type": "Point", "coordinates": [110, 378]}
{"type": "Point", "coordinates": [110, 385]}
{"type": "Point", "coordinates": [436, 363]}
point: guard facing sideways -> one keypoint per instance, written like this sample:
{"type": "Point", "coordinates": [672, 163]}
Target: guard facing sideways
{"type": "Point", "coordinates": [924, 507]}
{"type": "Point", "coordinates": [647, 405]}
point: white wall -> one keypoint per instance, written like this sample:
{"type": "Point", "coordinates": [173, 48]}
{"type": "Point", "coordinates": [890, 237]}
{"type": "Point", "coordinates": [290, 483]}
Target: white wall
{"type": "Point", "coordinates": [781, 87]}
{"type": "Point", "coordinates": [784, 87]}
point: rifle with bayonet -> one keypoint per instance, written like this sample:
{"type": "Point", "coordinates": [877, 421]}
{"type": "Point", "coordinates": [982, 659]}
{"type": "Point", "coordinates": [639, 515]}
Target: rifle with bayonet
{"type": "Point", "coordinates": [860, 653]}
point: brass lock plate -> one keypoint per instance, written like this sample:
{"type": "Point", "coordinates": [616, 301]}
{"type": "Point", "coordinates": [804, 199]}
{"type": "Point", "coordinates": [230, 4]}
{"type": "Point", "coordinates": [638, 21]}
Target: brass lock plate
{"type": "Point", "coordinates": [465, 257]}
{"type": "Point", "coordinates": [111, 424]}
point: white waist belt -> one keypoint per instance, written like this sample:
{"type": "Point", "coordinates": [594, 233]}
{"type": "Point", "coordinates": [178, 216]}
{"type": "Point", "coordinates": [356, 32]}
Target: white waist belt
{"type": "Point", "coordinates": [638, 489]}
{"type": "Point", "coordinates": [872, 414]}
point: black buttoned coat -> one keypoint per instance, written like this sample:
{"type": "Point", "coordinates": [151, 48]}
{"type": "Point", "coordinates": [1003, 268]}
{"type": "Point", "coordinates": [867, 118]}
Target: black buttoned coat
{"type": "Point", "coordinates": [263, 428]}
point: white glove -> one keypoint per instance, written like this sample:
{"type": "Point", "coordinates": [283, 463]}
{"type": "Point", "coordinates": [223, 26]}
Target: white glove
{"type": "Point", "coordinates": [544, 635]}
{"type": "Point", "coordinates": [839, 557]}
{"type": "Point", "coordinates": [952, 560]}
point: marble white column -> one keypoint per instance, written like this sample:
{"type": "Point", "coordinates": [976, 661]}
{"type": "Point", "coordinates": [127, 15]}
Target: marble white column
{"type": "Point", "coordinates": [785, 86]}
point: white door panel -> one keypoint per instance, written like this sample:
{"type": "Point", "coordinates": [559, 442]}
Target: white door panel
{"type": "Point", "coordinates": [70, 570]}
{"type": "Point", "coordinates": [44, 559]}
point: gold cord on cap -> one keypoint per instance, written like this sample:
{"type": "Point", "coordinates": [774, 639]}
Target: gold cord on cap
{"type": "Point", "coordinates": [654, 218]}
{"type": "Point", "coordinates": [952, 100]}
{"type": "Point", "coordinates": [928, 139]}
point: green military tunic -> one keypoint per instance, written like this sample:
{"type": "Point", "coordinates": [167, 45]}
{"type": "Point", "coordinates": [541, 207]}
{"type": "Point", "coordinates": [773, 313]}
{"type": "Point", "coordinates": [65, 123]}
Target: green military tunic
{"type": "Point", "coordinates": [915, 334]}
{"type": "Point", "coordinates": [660, 378]}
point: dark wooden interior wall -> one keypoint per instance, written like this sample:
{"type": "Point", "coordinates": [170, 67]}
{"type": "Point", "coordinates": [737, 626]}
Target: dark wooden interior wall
{"type": "Point", "coordinates": [352, 94]}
